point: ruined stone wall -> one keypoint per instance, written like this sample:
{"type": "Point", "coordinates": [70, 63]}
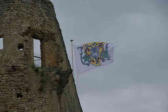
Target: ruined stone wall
{"type": "Point", "coordinates": [23, 87]}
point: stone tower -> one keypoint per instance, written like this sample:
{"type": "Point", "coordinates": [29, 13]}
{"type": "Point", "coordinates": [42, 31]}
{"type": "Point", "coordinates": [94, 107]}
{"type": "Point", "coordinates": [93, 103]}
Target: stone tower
{"type": "Point", "coordinates": [23, 86]}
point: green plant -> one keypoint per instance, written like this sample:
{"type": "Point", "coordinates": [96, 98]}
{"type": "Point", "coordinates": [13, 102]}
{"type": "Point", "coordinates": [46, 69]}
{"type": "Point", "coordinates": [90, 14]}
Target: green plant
{"type": "Point", "coordinates": [60, 77]}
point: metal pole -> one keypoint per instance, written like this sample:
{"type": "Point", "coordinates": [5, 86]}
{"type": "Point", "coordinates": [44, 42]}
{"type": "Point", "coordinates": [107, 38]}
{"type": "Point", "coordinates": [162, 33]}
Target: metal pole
{"type": "Point", "coordinates": [72, 56]}
{"type": "Point", "coordinates": [72, 64]}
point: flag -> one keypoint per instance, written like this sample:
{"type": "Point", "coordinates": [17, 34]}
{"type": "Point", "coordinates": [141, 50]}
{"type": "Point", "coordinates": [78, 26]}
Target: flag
{"type": "Point", "coordinates": [92, 55]}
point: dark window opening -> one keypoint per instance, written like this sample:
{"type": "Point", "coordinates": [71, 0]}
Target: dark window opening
{"type": "Point", "coordinates": [13, 68]}
{"type": "Point", "coordinates": [1, 43]}
{"type": "Point", "coordinates": [19, 95]}
{"type": "Point", "coordinates": [20, 47]}
{"type": "Point", "coordinates": [37, 52]}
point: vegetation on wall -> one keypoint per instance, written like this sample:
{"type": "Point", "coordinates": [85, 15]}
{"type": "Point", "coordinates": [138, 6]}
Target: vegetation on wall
{"type": "Point", "coordinates": [53, 76]}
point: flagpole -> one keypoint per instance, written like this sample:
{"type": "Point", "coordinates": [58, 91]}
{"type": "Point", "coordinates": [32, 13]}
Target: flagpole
{"type": "Point", "coordinates": [72, 56]}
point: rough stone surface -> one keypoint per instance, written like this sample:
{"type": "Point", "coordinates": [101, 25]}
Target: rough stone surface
{"type": "Point", "coordinates": [23, 87]}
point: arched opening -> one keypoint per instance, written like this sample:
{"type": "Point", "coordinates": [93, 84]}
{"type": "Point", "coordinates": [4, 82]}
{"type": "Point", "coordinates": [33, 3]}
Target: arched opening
{"type": "Point", "coordinates": [1, 43]}
{"type": "Point", "coordinates": [19, 95]}
{"type": "Point", "coordinates": [20, 47]}
{"type": "Point", "coordinates": [37, 52]}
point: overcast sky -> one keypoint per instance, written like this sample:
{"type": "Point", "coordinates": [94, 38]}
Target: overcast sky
{"type": "Point", "coordinates": [137, 80]}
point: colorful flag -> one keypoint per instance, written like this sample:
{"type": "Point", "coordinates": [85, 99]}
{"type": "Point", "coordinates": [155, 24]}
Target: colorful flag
{"type": "Point", "coordinates": [92, 55]}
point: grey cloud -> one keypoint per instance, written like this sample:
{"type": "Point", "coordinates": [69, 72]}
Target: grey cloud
{"type": "Point", "coordinates": [137, 98]}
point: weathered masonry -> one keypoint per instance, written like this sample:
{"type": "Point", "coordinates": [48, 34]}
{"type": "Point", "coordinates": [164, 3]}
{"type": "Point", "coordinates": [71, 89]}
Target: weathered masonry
{"type": "Point", "coordinates": [25, 87]}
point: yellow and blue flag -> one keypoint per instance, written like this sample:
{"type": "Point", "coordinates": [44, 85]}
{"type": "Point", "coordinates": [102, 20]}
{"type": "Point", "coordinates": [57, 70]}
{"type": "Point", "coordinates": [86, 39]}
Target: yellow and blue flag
{"type": "Point", "coordinates": [92, 55]}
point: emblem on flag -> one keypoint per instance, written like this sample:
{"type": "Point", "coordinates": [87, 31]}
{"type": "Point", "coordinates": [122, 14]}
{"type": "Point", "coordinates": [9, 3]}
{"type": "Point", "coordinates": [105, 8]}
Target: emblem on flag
{"type": "Point", "coordinates": [92, 55]}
